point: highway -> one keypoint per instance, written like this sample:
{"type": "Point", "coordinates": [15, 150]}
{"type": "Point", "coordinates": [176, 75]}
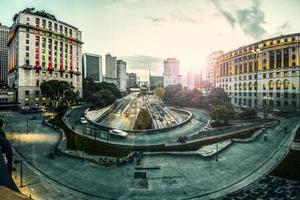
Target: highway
{"type": "Point", "coordinates": [154, 138]}
{"type": "Point", "coordinates": [126, 111]}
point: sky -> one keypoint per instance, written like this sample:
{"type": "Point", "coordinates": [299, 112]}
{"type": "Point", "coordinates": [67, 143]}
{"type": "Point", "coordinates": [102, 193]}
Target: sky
{"type": "Point", "coordinates": [145, 32]}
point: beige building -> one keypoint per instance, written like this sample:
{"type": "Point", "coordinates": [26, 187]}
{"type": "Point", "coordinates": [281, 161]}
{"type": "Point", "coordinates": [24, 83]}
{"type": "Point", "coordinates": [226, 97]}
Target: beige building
{"type": "Point", "coordinates": [42, 48]}
{"type": "Point", "coordinates": [263, 75]}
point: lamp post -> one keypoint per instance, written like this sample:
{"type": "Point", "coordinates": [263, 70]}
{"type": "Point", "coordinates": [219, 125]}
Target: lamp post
{"type": "Point", "coordinates": [27, 124]}
{"type": "Point", "coordinates": [256, 53]}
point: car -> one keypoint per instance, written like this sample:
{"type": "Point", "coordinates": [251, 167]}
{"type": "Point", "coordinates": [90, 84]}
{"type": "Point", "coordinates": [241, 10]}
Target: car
{"type": "Point", "coordinates": [117, 132]}
{"type": "Point", "coordinates": [161, 119]}
{"type": "Point", "coordinates": [83, 120]}
{"type": "Point", "coordinates": [172, 120]}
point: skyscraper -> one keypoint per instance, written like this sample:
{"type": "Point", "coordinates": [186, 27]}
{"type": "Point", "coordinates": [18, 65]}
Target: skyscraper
{"type": "Point", "coordinates": [190, 80]}
{"type": "Point", "coordinates": [110, 66]}
{"type": "Point", "coordinates": [198, 80]}
{"type": "Point", "coordinates": [42, 48]}
{"type": "Point", "coordinates": [4, 30]}
{"type": "Point", "coordinates": [171, 72]}
{"type": "Point", "coordinates": [121, 75]}
{"type": "Point", "coordinates": [92, 66]}
{"type": "Point", "coordinates": [131, 80]}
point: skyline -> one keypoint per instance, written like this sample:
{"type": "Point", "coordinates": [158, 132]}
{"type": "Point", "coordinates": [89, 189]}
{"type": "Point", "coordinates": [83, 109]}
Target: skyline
{"type": "Point", "coordinates": [188, 31]}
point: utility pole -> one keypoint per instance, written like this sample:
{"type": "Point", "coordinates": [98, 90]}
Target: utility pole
{"type": "Point", "coordinates": [217, 149]}
{"type": "Point", "coordinates": [27, 124]}
{"type": "Point", "coordinates": [21, 173]}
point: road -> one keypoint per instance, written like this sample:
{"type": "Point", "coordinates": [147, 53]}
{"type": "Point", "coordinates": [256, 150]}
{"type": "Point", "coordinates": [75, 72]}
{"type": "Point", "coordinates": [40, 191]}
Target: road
{"type": "Point", "coordinates": [126, 112]}
{"type": "Point", "coordinates": [140, 138]}
{"type": "Point", "coordinates": [179, 177]}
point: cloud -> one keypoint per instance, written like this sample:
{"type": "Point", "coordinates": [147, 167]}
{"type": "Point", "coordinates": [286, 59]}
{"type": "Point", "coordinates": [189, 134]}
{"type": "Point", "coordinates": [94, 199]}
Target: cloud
{"type": "Point", "coordinates": [143, 62]}
{"type": "Point", "coordinates": [250, 20]}
{"type": "Point", "coordinates": [227, 15]}
{"type": "Point", "coordinates": [178, 15]}
{"type": "Point", "coordinates": [284, 28]}
{"type": "Point", "coordinates": [155, 19]}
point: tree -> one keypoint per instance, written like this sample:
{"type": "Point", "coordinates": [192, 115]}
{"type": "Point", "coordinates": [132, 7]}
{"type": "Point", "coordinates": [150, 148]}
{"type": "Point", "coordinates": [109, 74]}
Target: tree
{"type": "Point", "coordinates": [218, 97]}
{"type": "Point", "coordinates": [222, 114]}
{"type": "Point", "coordinates": [99, 94]}
{"type": "Point", "coordinates": [159, 91]}
{"type": "Point", "coordinates": [248, 114]}
{"type": "Point", "coordinates": [143, 121]}
{"type": "Point", "coordinates": [59, 91]}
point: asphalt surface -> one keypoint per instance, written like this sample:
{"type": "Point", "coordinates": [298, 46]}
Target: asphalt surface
{"type": "Point", "coordinates": [178, 177]}
{"type": "Point", "coordinates": [141, 138]}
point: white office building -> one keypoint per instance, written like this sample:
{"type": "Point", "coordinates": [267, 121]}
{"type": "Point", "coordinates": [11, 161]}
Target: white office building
{"type": "Point", "coordinates": [171, 72]}
{"type": "Point", "coordinates": [42, 48]}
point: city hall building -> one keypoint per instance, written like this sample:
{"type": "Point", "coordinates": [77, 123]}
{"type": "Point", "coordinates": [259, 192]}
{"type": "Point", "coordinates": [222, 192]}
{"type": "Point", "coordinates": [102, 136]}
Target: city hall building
{"type": "Point", "coordinates": [263, 75]}
{"type": "Point", "coordinates": [42, 48]}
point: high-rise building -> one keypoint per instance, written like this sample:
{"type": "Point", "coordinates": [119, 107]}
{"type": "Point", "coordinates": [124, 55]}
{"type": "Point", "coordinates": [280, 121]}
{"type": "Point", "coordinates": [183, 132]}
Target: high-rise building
{"type": "Point", "coordinates": [190, 80]}
{"type": "Point", "coordinates": [121, 75]}
{"type": "Point", "coordinates": [198, 80]}
{"type": "Point", "coordinates": [171, 72]}
{"type": "Point", "coordinates": [156, 81]}
{"type": "Point", "coordinates": [4, 31]}
{"type": "Point", "coordinates": [131, 80]}
{"type": "Point", "coordinates": [92, 66]}
{"type": "Point", "coordinates": [264, 75]}
{"type": "Point", "coordinates": [42, 48]}
{"type": "Point", "coordinates": [110, 66]}
{"type": "Point", "coordinates": [210, 69]}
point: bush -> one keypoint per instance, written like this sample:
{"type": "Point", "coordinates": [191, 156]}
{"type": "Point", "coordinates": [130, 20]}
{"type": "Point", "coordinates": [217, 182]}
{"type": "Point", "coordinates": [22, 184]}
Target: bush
{"type": "Point", "coordinates": [248, 114]}
{"type": "Point", "coordinates": [143, 121]}
{"type": "Point", "coordinates": [217, 123]}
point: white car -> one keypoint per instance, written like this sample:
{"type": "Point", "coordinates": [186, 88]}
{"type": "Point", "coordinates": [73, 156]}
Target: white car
{"type": "Point", "coordinates": [83, 120]}
{"type": "Point", "coordinates": [172, 120]}
{"type": "Point", "coordinates": [117, 132]}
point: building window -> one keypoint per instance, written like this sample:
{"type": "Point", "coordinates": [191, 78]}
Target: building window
{"type": "Point", "coordinates": [278, 74]}
{"type": "Point", "coordinates": [37, 93]}
{"type": "Point", "coordinates": [294, 86]}
{"type": "Point", "coordinates": [293, 95]}
{"type": "Point", "coordinates": [278, 94]}
{"type": "Point", "coordinates": [271, 85]}
{"type": "Point", "coordinates": [245, 86]}
{"type": "Point", "coordinates": [278, 104]}
{"type": "Point", "coordinates": [44, 23]}
{"type": "Point", "coordinates": [27, 48]}
{"type": "Point", "coordinates": [27, 35]}
{"type": "Point", "coordinates": [286, 84]}
{"type": "Point", "coordinates": [278, 85]}
{"type": "Point", "coordinates": [37, 83]}
{"type": "Point", "coordinates": [250, 86]}
{"type": "Point", "coordinates": [271, 75]}
{"type": "Point", "coordinates": [27, 93]}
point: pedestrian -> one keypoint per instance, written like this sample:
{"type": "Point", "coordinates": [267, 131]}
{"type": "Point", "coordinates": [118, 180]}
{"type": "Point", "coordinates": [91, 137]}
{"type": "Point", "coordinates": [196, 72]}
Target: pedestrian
{"type": "Point", "coordinates": [286, 129]}
{"type": "Point", "coordinates": [265, 137]}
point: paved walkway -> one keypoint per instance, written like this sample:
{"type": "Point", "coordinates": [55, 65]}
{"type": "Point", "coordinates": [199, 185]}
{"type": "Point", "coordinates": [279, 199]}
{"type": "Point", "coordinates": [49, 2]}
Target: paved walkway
{"type": "Point", "coordinates": [179, 177]}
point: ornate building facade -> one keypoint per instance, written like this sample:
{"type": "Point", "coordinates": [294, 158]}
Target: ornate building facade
{"type": "Point", "coordinates": [264, 75]}
{"type": "Point", "coordinates": [42, 48]}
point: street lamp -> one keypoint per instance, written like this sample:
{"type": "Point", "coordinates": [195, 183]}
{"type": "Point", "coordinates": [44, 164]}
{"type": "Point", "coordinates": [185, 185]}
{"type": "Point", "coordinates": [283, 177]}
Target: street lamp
{"type": "Point", "coordinates": [256, 53]}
